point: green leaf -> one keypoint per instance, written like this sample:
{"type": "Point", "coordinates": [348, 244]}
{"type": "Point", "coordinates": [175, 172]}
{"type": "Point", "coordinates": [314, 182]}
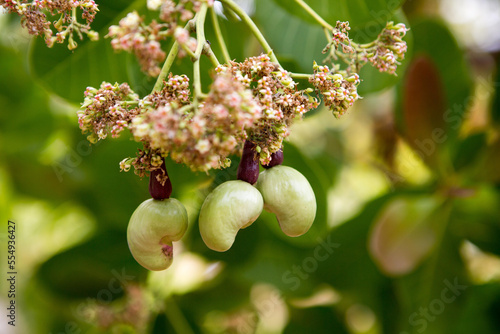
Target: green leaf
{"type": "Point", "coordinates": [477, 219]}
{"type": "Point", "coordinates": [495, 108]}
{"type": "Point", "coordinates": [289, 36]}
{"type": "Point", "coordinates": [318, 320]}
{"type": "Point", "coordinates": [432, 296]}
{"type": "Point", "coordinates": [365, 17]}
{"type": "Point", "coordinates": [68, 73]}
{"type": "Point", "coordinates": [350, 266]}
{"type": "Point", "coordinates": [486, 164]}
{"type": "Point", "coordinates": [25, 118]}
{"type": "Point", "coordinates": [299, 42]}
{"type": "Point", "coordinates": [403, 235]}
{"type": "Point", "coordinates": [479, 314]}
{"type": "Point", "coordinates": [96, 269]}
{"type": "Point", "coordinates": [468, 150]}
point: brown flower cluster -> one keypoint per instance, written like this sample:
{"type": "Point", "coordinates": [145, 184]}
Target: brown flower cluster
{"type": "Point", "coordinates": [143, 40]}
{"type": "Point", "coordinates": [46, 17]}
{"type": "Point", "coordinates": [254, 100]}
{"type": "Point", "coordinates": [175, 13]}
{"type": "Point", "coordinates": [278, 97]}
{"type": "Point", "coordinates": [203, 136]}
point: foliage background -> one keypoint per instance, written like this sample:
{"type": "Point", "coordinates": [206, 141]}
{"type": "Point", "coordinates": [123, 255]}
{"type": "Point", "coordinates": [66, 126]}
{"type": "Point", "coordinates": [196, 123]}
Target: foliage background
{"type": "Point", "coordinates": [407, 185]}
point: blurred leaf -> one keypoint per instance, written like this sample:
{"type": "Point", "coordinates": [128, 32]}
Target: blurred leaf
{"type": "Point", "coordinates": [468, 150]}
{"type": "Point", "coordinates": [68, 73]}
{"type": "Point", "coordinates": [432, 296]}
{"type": "Point", "coordinates": [423, 108]}
{"type": "Point", "coordinates": [278, 263]}
{"type": "Point", "coordinates": [367, 16]}
{"type": "Point", "coordinates": [96, 269]}
{"type": "Point", "coordinates": [480, 312]}
{"type": "Point", "coordinates": [350, 266]}
{"type": "Point", "coordinates": [486, 164]}
{"type": "Point", "coordinates": [317, 320]}
{"type": "Point", "coordinates": [433, 41]}
{"type": "Point", "coordinates": [495, 107]}
{"type": "Point", "coordinates": [477, 219]}
{"type": "Point", "coordinates": [402, 235]}
{"type": "Point", "coordinates": [25, 118]}
{"type": "Point", "coordinates": [289, 36]}
{"type": "Point", "coordinates": [224, 294]}
{"type": "Point", "coordinates": [243, 250]}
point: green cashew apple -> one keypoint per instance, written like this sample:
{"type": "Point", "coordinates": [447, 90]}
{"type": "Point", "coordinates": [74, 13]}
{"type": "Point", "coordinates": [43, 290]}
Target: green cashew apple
{"type": "Point", "coordinates": [232, 206]}
{"type": "Point", "coordinates": [151, 230]}
{"type": "Point", "coordinates": [288, 195]}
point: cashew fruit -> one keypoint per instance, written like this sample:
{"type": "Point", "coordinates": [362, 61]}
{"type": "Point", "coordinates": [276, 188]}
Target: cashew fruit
{"type": "Point", "coordinates": [288, 195]}
{"type": "Point", "coordinates": [230, 207]}
{"type": "Point", "coordinates": [151, 230]}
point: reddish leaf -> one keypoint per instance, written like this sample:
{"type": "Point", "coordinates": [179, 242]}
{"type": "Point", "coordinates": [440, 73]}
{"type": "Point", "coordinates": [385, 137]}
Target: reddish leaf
{"type": "Point", "coordinates": [424, 106]}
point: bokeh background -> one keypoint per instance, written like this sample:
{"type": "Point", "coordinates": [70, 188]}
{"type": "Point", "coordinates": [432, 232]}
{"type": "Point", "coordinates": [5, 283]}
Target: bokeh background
{"type": "Point", "coordinates": [407, 234]}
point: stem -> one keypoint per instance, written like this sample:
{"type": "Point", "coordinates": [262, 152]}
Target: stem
{"type": "Point", "coordinates": [188, 51]}
{"type": "Point", "coordinates": [210, 54]}
{"type": "Point", "coordinates": [176, 318]}
{"type": "Point", "coordinates": [300, 76]}
{"type": "Point", "coordinates": [255, 30]}
{"type": "Point", "coordinates": [315, 15]}
{"type": "Point", "coordinates": [174, 50]}
{"type": "Point", "coordinates": [200, 37]}
{"type": "Point", "coordinates": [327, 34]}
{"type": "Point", "coordinates": [200, 30]}
{"type": "Point", "coordinates": [220, 38]}
{"type": "Point", "coordinates": [166, 67]}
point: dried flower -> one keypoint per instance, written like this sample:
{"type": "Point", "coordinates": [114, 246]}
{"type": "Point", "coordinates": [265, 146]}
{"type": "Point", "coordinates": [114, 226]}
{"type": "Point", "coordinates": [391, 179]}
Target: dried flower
{"type": "Point", "coordinates": [34, 17]}
{"type": "Point", "coordinates": [278, 97]}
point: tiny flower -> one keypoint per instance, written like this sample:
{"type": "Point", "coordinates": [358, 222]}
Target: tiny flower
{"type": "Point", "coordinates": [203, 146]}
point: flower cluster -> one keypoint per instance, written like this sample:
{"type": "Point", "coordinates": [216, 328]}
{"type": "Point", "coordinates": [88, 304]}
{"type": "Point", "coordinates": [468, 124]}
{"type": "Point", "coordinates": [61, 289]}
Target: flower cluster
{"type": "Point", "coordinates": [175, 13]}
{"type": "Point", "coordinates": [385, 53]}
{"type": "Point", "coordinates": [34, 17]}
{"type": "Point", "coordinates": [254, 100]}
{"type": "Point", "coordinates": [107, 110]}
{"type": "Point", "coordinates": [340, 37]}
{"type": "Point", "coordinates": [133, 35]}
{"type": "Point", "coordinates": [175, 90]}
{"type": "Point", "coordinates": [147, 160]}
{"type": "Point", "coordinates": [142, 40]}
{"type": "Point", "coordinates": [389, 48]}
{"type": "Point", "coordinates": [339, 91]}
{"type": "Point", "coordinates": [201, 136]}
{"type": "Point", "coordinates": [278, 97]}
